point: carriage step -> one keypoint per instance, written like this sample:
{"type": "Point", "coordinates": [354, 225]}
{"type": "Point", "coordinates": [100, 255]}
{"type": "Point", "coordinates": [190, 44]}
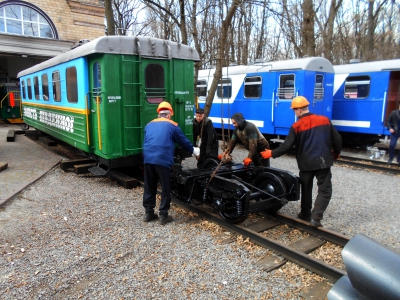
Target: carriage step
{"type": "Point", "coordinates": [97, 171]}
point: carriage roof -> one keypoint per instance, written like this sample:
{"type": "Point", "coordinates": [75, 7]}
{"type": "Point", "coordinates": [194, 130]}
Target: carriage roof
{"type": "Point", "coordinates": [130, 45]}
{"type": "Point", "coordinates": [373, 66]}
{"type": "Point", "coordinates": [308, 63]}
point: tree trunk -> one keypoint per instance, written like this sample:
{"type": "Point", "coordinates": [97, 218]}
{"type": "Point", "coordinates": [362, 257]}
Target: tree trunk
{"type": "Point", "coordinates": [221, 54]}
{"type": "Point", "coordinates": [109, 17]}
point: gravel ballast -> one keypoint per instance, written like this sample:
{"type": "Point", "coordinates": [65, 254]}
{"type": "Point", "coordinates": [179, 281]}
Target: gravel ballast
{"type": "Point", "coordinates": [69, 236]}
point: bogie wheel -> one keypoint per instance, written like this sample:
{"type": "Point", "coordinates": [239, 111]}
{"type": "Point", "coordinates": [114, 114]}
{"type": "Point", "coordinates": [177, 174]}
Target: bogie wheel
{"type": "Point", "coordinates": [233, 219]}
{"type": "Point", "coordinates": [210, 163]}
{"type": "Point", "coordinates": [273, 186]}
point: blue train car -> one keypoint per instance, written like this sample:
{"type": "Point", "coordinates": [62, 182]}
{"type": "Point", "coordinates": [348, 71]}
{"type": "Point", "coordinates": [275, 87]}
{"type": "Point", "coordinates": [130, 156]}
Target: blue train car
{"type": "Point", "coordinates": [364, 95]}
{"type": "Point", "coordinates": [264, 92]}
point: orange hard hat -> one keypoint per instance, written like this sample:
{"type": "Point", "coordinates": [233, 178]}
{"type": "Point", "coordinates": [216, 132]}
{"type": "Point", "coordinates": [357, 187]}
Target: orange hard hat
{"type": "Point", "coordinates": [165, 106]}
{"type": "Point", "coordinates": [299, 102]}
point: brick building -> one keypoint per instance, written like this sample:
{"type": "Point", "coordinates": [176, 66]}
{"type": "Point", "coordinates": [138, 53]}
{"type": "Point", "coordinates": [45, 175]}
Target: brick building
{"type": "Point", "coordinates": [32, 31]}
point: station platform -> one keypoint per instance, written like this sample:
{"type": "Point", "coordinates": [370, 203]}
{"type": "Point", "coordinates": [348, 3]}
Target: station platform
{"type": "Point", "coordinates": [22, 162]}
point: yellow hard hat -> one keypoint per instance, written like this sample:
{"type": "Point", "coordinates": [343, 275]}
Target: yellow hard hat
{"type": "Point", "coordinates": [299, 102]}
{"type": "Point", "coordinates": [165, 106]}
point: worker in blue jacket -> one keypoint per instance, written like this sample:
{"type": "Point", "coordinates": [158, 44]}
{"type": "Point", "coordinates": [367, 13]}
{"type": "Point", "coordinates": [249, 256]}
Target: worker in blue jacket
{"type": "Point", "coordinates": [317, 143]}
{"type": "Point", "coordinates": [160, 136]}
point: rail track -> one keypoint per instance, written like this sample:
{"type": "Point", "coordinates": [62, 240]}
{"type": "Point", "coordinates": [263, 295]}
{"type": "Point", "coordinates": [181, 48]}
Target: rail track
{"type": "Point", "coordinates": [296, 252]}
{"type": "Point", "coordinates": [368, 164]}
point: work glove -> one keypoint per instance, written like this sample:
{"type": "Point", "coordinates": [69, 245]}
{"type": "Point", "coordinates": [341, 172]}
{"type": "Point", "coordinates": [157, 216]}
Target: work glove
{"type": "Point", "coordinates": [335, 156]}
{"type": "Point", "coordinates": [196, 151]}
{"type": "Point", "coordinates": [247, 161]}
{"type": "Point", "coordinates": [266, 153]}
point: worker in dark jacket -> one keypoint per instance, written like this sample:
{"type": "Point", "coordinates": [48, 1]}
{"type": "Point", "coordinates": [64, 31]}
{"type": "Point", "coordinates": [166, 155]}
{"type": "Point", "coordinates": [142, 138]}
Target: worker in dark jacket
{"type": "Point", "coordinates": [160, 136]}
{"type": "Point", "coordinates": [205, 137]}
{"type": "Point", "coordinates": [393, 124]}
{"type": "Point", "coordinates": [317, 144]}
{"type": "Point", "coordinates": [251, 138]}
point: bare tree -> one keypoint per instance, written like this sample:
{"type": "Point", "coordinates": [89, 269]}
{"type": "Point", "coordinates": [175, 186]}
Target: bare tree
{"type": "Point", "coordinates": [109, 17]}
{"type": "Point", "coordinates": [222, 51]}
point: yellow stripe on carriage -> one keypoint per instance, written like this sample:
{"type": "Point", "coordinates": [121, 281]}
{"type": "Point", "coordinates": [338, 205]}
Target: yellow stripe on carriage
{"type": "Point", "coordinates": [82, 111]}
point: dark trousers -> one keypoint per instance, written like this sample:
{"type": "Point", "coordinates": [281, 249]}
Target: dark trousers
{"type": "Point", "coordinates": [153, 173]}
{"type": "Point", "coordinates": [324, 183]}
{"type": "Point", "coordinates": [392, 146]}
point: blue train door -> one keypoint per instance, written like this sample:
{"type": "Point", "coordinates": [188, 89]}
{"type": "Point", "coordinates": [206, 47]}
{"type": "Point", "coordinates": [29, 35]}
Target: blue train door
{"type": "Point", "coordinates": [316, 92]}
{"type": "Point", "coordinates": [283, 117]}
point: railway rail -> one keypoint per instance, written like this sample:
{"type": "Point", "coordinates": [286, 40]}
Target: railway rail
{"type": "Point", "coordinates": [368, 164]}
{"type": "Point", "coordinates": [297, 254]}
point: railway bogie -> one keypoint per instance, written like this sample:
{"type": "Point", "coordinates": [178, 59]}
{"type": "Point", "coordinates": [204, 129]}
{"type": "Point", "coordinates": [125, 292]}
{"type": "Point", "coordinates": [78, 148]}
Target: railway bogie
{"type": "Point", "coordinates": [235, 190]}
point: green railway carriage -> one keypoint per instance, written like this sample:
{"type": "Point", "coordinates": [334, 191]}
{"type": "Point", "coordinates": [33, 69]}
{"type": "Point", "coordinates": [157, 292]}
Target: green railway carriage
{"type": "Point", "coordinates": [99, 96]}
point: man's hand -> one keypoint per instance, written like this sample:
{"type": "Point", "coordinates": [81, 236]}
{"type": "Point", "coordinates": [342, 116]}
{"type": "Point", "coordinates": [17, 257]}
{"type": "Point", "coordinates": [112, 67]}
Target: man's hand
{"type": "Point", "coordinates": [247, 161]}
{"type": "Point", "coordinates": [196, 151]}
{"type": "Point", "coordinates": [266, 153]}
{"type": "Point", "coordinates": [335, 156]}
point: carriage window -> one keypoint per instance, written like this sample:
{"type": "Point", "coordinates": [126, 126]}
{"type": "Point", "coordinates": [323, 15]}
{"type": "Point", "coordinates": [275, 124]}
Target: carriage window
{"type": "Point", "coordinates": [155, 88]}
{"type": "Point", "coordinates": [286, 86]}
{"type": "Point", "coordinates": [201, 89]}
{"type": "Point", "coordinates": [23, 89]}
{"type": "Point", "coordinates": [252, 87]}
{"type": "Point", "coordinates": [29, 87]}
{"type": "Point", "coordinates": [97, 81]}
{"type": "Point", "coordinates": [224, 89]}
{"type": "Point", "coordinates": [319, 90]}
{"type": "Point", "coordinates": [356, 87]}
{"type": "Point", "coordinates": [72, 85]}
{"type": "Point", "coordinates": [36, 87]}
{"type": "Point", "coordinates": [45, 87]}
{"type": "Point", "coordinates": [56, 86]}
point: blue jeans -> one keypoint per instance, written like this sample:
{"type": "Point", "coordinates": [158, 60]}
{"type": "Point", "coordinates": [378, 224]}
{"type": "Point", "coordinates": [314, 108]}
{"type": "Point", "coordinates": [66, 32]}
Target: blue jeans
{"type": "Point", "coordinates": [392, 146]}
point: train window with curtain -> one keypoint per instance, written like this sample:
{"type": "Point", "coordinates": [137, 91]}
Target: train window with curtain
{"type": "Point", "coordinates": [155, 83]}
{"type": "Point", "coordinates": [319, 87]}
{"type": "Point", "coordinates": [356, 87]}
{"type": "Point", "coordinates": [224, 88]}
{"type": "Point", "coordinates": [201, 89]}
{"type": "Point", "coordinates": [36, 87]}
{"type": "Point", "coordinates": [45, 87]}
{"type": "Point", "coordinates": [22, 18]}
{"type": "Point", "coordinates": [23, 89]}
{"type": "Point", "coordinates": [252, 87]}
{"type": "Point", "coordinates": [286, 88]}
{"type": "Point", "coordinates": [72, 85]}
{"type": "Point", "coordinates": [29, 87]}
{"type": "Point", "coordinates": [56, 86]}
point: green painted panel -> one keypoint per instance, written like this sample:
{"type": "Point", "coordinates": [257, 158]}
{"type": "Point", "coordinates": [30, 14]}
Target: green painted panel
{"type": "Point", "coordinates": [64, 125]}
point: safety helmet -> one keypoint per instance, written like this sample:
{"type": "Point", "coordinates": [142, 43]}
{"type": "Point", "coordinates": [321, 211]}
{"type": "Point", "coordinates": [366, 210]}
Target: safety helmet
{"type": "Point", "coordinates": [299, 102]}
{"type": "Point", "coordinates": [165, 106]}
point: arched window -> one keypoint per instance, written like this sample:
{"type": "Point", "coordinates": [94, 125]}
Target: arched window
{"type": "Point", "coordinates": [20, 17]}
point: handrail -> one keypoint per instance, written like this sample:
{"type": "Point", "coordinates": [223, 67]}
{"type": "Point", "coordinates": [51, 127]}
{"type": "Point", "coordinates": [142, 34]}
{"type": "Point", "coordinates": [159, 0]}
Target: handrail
{"type": "Point", "coordinates": [98, 120]}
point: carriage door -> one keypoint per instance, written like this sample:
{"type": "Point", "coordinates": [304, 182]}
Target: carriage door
{"type": "Point", "coordinates": [283, 116]}
{"type": "Point", "coordinates": [96, 109]}
{"type": "Point", "coordinates": [318, 95]}
{"type": "Point", "coordinates": [393, 97]}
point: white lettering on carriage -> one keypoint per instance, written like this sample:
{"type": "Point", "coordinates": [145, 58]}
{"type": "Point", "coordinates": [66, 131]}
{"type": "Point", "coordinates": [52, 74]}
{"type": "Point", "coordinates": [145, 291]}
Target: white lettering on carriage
{"type": "Point", "coordinates": [181, 92]}
{"type": "Point", "coordinates": [51, 119]}
{"type": "Point", "coordinates": [113, 99]}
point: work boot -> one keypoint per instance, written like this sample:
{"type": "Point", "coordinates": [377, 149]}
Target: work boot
{"type": "Point", "coordinates": [303, 217]}
{"type": "Point", "coordinates": [149, 216]}
{"type": "Point", "coordinates": [315, 223]}
{"type": "Point", "coordinates": [164, 219]}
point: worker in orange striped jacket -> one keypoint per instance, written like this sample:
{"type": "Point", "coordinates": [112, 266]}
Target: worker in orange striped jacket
{"type": "Point", "coordinates": [317, 143]}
